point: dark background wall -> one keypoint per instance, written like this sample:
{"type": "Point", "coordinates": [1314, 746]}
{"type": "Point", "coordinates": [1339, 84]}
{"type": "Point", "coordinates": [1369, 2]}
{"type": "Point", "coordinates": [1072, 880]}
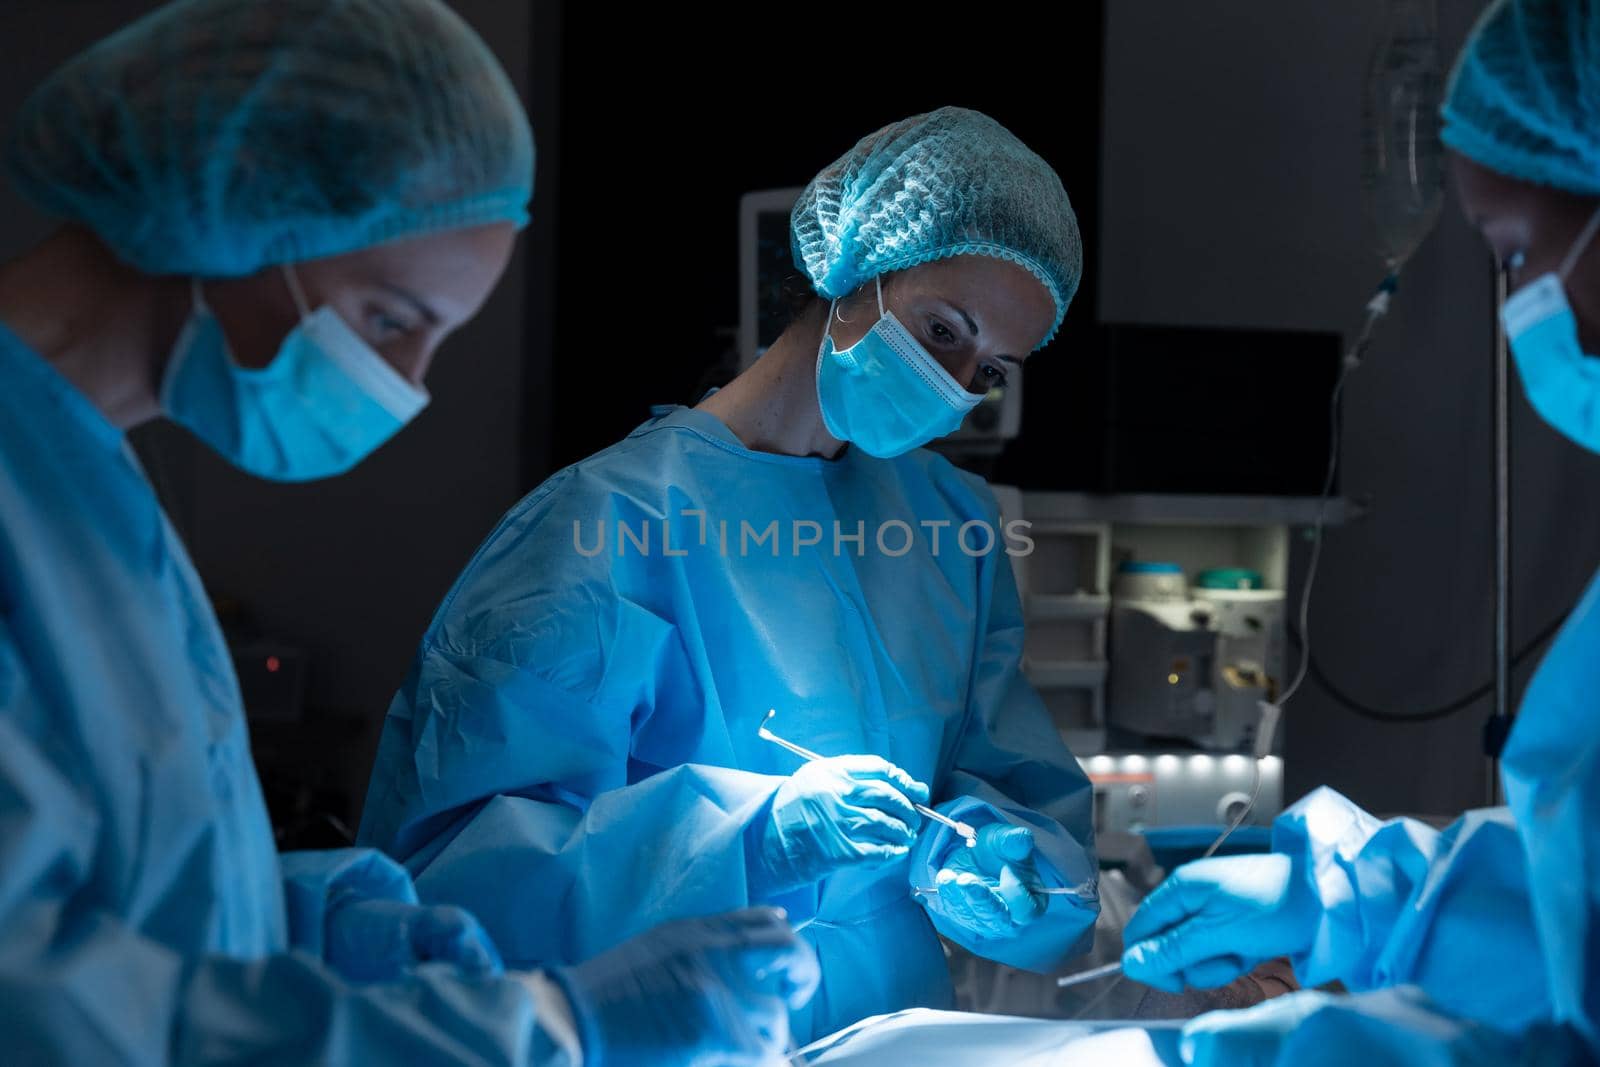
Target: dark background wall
{"type": "Point", "coordinates": [1212, 151]}
{"type": "Point", "coordinates": [1232, 196]}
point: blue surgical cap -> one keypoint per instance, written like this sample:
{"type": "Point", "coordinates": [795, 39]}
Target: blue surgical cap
{"type": "Point", "coordinates": [218, 137]}
{"type": "Point", "coordinates": [1525, 96]}
{"type": "Point", "coordinates": [952, 182]}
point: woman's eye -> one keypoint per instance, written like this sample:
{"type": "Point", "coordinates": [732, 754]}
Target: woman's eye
{"type": "Point", "coordinates": [386, 327]}
{"type": "Point", "coordinates": [941, 332]}
{"type": "Point", "coordinates": [988, 377]}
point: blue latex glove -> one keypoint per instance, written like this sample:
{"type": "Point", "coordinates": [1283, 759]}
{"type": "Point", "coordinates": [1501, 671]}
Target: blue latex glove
{"type": "Point", "coordinates": [988, 888]}
{"type": "Point", "coordinates": [375, 940]}
{"type": "Point", "coordinates": [1216, 919]}
{"type": "Point", "coordinates": [838, 812]}
{"type": "Point", "coordinates": [697, 991]}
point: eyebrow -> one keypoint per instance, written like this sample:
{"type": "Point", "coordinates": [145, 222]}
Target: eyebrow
{"type": "Point", "coordinates": [972, 328]}
{"type": "Point", "coordinates": [429, 316]}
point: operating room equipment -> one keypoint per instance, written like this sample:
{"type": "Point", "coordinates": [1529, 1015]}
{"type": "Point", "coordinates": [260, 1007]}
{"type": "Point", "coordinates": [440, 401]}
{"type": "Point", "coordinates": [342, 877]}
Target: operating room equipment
{"type": "Point", "coordinates": [1403, 179]}
{"type": "Point", "coordinates": [1403, 164]}
{"type": "Point", "coordinates": [966, 832]}
{"type": "Point", "coordinates": [1193, 662]}
{"type": "Point", "coordinates": [1498, 726]}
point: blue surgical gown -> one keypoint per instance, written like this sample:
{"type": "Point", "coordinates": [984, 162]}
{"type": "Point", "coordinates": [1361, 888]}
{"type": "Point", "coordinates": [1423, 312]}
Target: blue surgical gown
{"type": "Point", "coordinates": [144, 917]}
{"type": "Point", "coordinates": [574, 754]}
{"type": "Point", "coordinates": [1496, 921]}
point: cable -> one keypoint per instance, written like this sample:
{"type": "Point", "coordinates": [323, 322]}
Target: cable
{"type": "Point", "coordinates": [1448, 708]}
{"type": "Point", "coordinates": [1244, 812]}
{"type": "Point", "coordinates": [1377, 307]}
{"type": "Point", "coordinates": [1350, 364]}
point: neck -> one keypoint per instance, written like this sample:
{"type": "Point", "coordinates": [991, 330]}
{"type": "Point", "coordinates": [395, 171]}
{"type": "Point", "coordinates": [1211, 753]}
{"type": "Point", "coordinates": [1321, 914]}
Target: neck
{"type": "Point", "coordinates": [103, 325]}
{"type": "Point", "coordinates": [773, 406]}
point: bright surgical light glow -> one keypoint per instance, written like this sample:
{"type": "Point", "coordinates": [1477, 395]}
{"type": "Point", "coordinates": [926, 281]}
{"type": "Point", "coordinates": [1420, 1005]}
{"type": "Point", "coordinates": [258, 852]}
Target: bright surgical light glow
{"type": "Point", "coordinates": [1166, 764]}
{"type": "Point", "coordinates": [1100, 765]}
{"type": "Point", "coordinates": [1134, 764]}
{"type": "Point", "coordinates": [1235, 764]}
{"type": "Point", "coordinates": [1200, 764]}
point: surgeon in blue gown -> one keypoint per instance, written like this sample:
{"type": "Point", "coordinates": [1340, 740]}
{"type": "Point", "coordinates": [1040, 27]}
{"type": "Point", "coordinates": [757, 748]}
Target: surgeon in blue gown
{"type": "Point", "coordinates": [575, 755]}
{"type": "Point", "coordinates": [272, 213]}
{"type": "Point", "coordinates": [1481, 943]}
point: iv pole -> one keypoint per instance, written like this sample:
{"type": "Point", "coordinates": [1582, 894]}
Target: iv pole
{"type": "Point", "coordinates": [1499, 725]}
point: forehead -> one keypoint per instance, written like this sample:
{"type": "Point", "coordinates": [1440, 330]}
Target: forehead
{"type": "Point", "coordinates": [1486, 193]}
{"type": "Point", "coordinates": [450, 267]}
{"type": "Point", "coordinates": [1012, 308]}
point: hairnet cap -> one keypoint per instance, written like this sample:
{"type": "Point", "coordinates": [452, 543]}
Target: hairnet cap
{"type": "Point", "coordinates": [1524, 99]}
{"type": "Point", "coordinates": [218, 137]}
{"type": "Point", "coordinates": [949, 183]}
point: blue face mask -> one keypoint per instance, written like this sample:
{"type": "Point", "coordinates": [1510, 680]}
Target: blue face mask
{"type": "Point", "coordinates": [1561, 380]}
{"type": "Point", "coordinates": [885, 394]}
{"type": "Point", "coordinates": [324, 403]}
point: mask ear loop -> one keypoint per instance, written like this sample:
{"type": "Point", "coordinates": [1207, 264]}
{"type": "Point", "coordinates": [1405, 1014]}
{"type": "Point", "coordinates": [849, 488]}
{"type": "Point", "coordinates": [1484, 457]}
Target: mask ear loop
{"type": "Point", "coordinates": [1579, 246]}
{"type": "Point", "coordinates": [296, 292]}
{"type": "Point", "coordinates": [833, 308]}
{"type": "Point", "coordinates": [197, 299]}
{"type": "Point", "coordinates": [827, 327]}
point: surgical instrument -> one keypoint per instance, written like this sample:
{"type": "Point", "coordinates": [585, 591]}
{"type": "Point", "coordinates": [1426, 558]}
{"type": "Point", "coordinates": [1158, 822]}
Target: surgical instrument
{"type": "Point", "coordinates": [1090, 975]}
{"type": "Point", "coordinates": [965, 830]}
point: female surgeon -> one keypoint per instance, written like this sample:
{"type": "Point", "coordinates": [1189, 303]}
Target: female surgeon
{"type": "Point", "coordinates": [273, 215]}
{"type": "Point", "coordinates": [1480, 944]}
{"type": "Point", "coordinates": [575, 754]}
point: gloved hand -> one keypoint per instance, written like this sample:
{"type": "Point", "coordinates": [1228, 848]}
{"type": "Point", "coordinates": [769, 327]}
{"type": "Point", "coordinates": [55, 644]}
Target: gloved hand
{"type": "Point", "coordinates": [370, 940]}
{"type": "Point", "coordinates": [697, 991]}
{"type": "Point", "coordinates": [1215, 919]}
{"type": "Point", "coordinates": [838, 812]}
{"type": "Point", "coordinates": [989, 888]}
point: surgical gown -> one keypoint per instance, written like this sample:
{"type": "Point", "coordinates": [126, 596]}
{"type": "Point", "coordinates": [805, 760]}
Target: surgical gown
{"type": "Point", "coordinates": [574, 754]}
{"type": "Point", "coordinates": [1497, 920]}
{"type": "Point", "coordinates": [144, 918]}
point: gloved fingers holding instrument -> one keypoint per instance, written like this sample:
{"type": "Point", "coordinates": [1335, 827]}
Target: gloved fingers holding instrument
{"type": "Point", "coordinates": [991, 889]}
{"type": "Point", "coordinates": [837, 812]}
{"type": "Point", "coordinates": [1216, 919]}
